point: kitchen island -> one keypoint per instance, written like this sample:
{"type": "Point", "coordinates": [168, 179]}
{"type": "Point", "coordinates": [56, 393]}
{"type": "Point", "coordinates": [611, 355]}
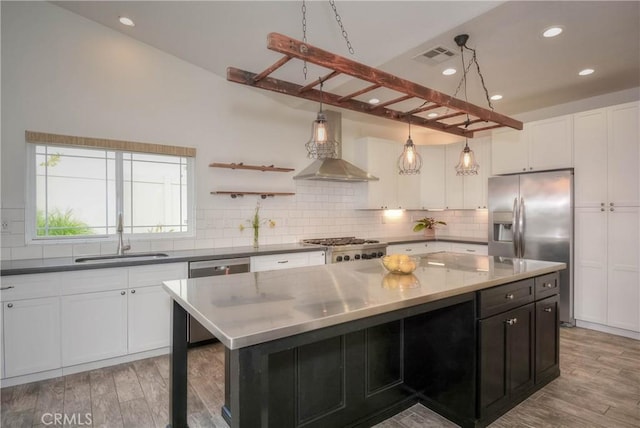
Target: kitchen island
{"type": "Point", "coordinates": [350, 345]}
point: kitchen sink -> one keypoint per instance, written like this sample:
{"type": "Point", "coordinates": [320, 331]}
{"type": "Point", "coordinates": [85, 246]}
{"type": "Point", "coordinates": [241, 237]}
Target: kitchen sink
{"type": "Point", "coordinates": [124, 257]}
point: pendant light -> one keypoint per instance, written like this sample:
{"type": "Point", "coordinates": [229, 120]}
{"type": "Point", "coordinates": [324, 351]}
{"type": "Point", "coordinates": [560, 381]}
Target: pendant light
{"type": "Point", "coordinates": [410, 161]}
{"type": "Point", "coordinates": [322, 143]}
{"type": "Point", "coordinates": [467, 164]}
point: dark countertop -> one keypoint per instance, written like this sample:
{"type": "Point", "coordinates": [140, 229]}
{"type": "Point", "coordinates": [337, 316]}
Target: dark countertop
{"type": "Point", "coordinates": [62, 264]}
{"type": "Point", "coordinates": [421, 238]}
{"type": "Point", "coordinates": [251, 308]}
{"type": "Point", "coordinates": [31, 266]}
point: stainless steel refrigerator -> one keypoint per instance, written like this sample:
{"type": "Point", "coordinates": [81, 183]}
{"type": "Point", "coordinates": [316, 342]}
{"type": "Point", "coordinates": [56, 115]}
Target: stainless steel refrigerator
{"type": "Point", "coordinates": [531, 217]}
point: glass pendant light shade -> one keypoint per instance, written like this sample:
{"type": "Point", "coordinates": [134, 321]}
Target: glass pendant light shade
{"type": "Point", "coordinates": [467, 164]}
{"type": "Point", "coordinates": [322, 144]}
{"type": "Point", "coordinates": [410, 160]}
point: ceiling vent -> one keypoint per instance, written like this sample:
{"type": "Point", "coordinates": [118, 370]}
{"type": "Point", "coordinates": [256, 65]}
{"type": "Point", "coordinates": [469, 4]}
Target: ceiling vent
{"type": "Point", "coordinates": [435, 56]}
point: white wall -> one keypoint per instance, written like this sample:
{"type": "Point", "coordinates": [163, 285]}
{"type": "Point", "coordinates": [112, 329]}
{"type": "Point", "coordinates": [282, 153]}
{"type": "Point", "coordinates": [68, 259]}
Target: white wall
{"type": "Point", "coordinates": [65, 74]}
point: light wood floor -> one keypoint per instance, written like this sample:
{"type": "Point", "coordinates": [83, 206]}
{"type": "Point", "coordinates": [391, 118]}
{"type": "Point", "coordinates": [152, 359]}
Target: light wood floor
{"type": "Point", "coordinates": [599, 387]}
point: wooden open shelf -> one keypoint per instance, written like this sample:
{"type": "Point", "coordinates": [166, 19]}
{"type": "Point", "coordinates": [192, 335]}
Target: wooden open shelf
{"type": "Point", "coordinates": [250, 167]}
{"type": "Point", "coordinates": [479, 119]}
{"type": "Point", "coordinates": [263, 195]}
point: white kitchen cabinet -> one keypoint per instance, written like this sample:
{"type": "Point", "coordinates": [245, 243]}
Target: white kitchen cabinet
{"type": "Point", "coordinates": [417, 248]}
{"type": "Point", "coordinates": [1, 342]}
{"type": "Point", "coordinates": [31, 335]}
{"type": "Point", "coordinates": [509, 151]}
{"type": "Point", "coordinates": [550, 143]}
{"type": "Point", "coordinates": [606, 157]}
{"type": "Point", "coordinates": [540, 146]}
{"type": "Point", "coordinates": [454, 193]}
{"type": "Point", "coordinates": [623, 281]}
{"type": "Point", "coordinates": [432, 188]}
{"type": "Point", "coordinates": [94, 326]}
{"type": "Point", "coordinates": [392, 190]}
{"type": "Point", "coordinates": [607, 282]}
{"type": "Point", "coordinates": [287, 261]}
{"type": "Point", "coordinates": [473, 249]}
{"type": "Point", "coordinates": [624, 155]}
{"type": "Point", "coordinates": [467, 192]}
{"type": "Point", "coordinates": [590, 158]}
{"type": "Point", "coordinates": [149, 306]}
{"type": "Point", "coordinates": [149, 318]}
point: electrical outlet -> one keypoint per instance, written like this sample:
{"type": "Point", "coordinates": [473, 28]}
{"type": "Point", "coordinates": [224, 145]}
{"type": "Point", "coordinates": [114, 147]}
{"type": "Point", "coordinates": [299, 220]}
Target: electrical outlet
{"type": "Point", "coordinates": [5, 226]}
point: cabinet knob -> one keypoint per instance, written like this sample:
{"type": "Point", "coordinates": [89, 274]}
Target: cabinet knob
{"type": "Point", "coordinates": [509, 296]}
{"type": "Point", "coordinates": [547, 309]}
{"type": "Point", "coordinates": [548, 285]}
{"type": "Point", "coordinates": [133, 291]}
{"type": "Point", "coordinates": [122, 293]}
{"type": "Point", "coordinates": [524, 169]}
{"type": "Point", "coordinates": [9, 305]}
{"type": "Point", "coordinates": [512, 321]}
{"type": "Point", "coordinates": [602, 204]}
{"type": "Point", "coordinates": [610, 204]}
{"type": "Point", "coordinates": [530, 168]}
{"type": "Point", "coordinates": [612, 209]}
{"type": "Point", "coordinates": [601, 209]}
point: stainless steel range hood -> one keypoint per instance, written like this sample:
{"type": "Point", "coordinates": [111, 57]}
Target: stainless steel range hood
{"type": "Point", "coordinates": [334, 169]}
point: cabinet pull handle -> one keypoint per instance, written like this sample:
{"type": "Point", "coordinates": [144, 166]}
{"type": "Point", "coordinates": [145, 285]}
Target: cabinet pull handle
{"type": "Point", "coordinates": [408, 250]}
{"type": "Point", "coordinates": [471, 251]}
{"type": "Point", "coordinates": [512, 321]}
{"type": "Point", "coordinates": [133, 291]}
{"type": "Point", "coordinates": [7, 288]}
{"type": "Point", "coordinates": [9, 305]}
{"type": "Point", "coordinates": [122, 293]}
{"type": "Point", "coordinates": [509, 296]}
{"type": "Point", "coordinates": [283, 261]}
{"type": "Point", "coordinates": [547, 309]}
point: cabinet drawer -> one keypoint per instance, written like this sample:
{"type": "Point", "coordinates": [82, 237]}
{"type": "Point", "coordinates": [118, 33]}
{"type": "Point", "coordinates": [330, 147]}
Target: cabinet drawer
{"type": "Point", "coordinates": [505, 297]}
{"type": "Point", "coordinates": [18, 287]}
{"type": "Point", "coordinates": [93, 280]}
{"type": "Point", "coordinates": [145, 276]}
{"type": "Point", "coordinates": [547, 285]}
{"type": "Point", "coordinates": [475, 249]}
{"type": "Point", "coordinates": [286, 261]}
{"type": "Point", "coordinates": [413, 248]}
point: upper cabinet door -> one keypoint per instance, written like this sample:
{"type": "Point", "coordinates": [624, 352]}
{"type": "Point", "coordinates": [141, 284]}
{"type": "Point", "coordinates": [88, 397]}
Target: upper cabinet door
{"type": "Point", "coordinates": [380, 160]}
{"type": "Point", "coordinates": [590, 154]}
{"type": "Point", "coordinates": [509, 151]}
{"type": "Point", "coordinates": [550, 144]}
{"type": "Point", "coordinates": [432, 188]}
{"type": "Point", "coordinates": [624, 155]}
{"type": "Point", "coordinates": [453, 183]}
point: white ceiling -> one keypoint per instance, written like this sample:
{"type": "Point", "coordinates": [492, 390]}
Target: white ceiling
{"type": "Point", "coordinates": [531, 72]}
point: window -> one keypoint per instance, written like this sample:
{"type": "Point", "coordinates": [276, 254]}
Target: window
{"type": "Point", "coordinates": [78, 192]}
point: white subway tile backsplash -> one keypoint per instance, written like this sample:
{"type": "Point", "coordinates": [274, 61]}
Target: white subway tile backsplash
{"type": "Point", "coordinates": [29, 252]}
{"type": "Point", "coordinates": [58, 250]}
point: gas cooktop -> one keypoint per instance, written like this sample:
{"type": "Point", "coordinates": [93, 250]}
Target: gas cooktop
{"type": "Point", "coordinates": [349, 248]}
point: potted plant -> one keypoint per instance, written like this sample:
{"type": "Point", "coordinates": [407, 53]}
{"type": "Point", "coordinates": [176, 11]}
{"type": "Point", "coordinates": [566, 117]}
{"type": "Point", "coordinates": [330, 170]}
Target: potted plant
{"type": "Point", "coordinates": [428, 224]}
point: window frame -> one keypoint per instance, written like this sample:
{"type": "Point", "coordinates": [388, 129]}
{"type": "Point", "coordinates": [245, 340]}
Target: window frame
{"type": "Point", "coordinates": [31, 202]}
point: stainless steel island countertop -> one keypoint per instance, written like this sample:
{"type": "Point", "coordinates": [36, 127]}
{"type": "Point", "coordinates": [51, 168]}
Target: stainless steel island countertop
{"type": "Point", "coordinates": [252, 308]}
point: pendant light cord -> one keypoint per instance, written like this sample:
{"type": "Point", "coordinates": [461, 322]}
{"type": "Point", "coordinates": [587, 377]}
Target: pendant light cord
{"type": "Point", "coordinates": [321, 84]}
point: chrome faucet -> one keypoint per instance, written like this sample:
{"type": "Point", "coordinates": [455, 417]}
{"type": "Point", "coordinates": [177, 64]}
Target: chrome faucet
{"type": "Point", "coordinates": [120, 229]}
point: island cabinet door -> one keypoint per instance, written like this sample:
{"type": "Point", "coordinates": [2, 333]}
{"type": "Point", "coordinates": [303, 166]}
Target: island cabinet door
{"type": "Point", "coordinates": [506, 357]}
{"type": "Point", "coordinates": [547, 338]}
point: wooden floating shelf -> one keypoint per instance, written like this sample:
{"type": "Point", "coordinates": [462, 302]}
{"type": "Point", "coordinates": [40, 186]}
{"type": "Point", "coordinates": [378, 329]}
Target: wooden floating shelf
{"type": "Point", "coordinates": [263, 195]}
{"type": "Point", "coordinates": [251, 167]}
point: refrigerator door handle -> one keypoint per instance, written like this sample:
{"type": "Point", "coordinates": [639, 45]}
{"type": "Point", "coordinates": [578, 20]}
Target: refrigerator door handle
{"type": "Point", "coordinates": [521, 226]}
{"type": "Point", "coordinates": [514, 228]}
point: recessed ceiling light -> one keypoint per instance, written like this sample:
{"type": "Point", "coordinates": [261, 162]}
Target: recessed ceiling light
{"type": "Point", "coordinates": [586, 72]}
{"type": "Point", "coordinates": [449, 71]}
{"type": "Point", "coordinates": [496, 97]}
{"type": "Point", "coordinates": [374, 101]}
{"type": "Point", "coordinates": [126, 21]}
{"type": "Point", "coordinates": [432, 115]}
{"type": "Point", "coordinates": [552, 32]}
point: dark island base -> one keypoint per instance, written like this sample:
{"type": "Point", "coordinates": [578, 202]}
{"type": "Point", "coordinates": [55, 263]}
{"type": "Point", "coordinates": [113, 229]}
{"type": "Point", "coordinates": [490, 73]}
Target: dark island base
{"type": "Point", "coordinates": [469, 367]}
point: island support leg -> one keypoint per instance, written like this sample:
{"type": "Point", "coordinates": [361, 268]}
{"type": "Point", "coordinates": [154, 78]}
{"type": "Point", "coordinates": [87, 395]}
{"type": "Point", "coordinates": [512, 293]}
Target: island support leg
{"type": "Point", "coordinates": [178, 374]}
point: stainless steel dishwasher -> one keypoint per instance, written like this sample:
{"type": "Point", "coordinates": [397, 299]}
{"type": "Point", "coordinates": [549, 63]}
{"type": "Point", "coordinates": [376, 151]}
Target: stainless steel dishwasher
{"type": "Point", "coordinates": [196, 333]}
